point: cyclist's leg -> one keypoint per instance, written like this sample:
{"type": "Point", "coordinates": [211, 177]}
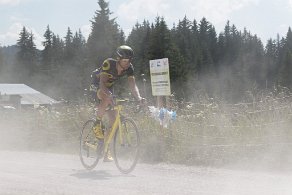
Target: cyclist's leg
{"type": "Point", "coordinates": [111, 114]}
{"type": "Point", "coordinates": [104, 101]}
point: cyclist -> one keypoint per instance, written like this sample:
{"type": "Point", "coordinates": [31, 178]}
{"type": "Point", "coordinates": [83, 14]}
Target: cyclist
{"type": "Point", "coordinates": [110, 71]}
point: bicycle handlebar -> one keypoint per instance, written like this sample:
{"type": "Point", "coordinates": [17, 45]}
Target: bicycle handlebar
{"type": "Point", "coordinates": [118, 101]}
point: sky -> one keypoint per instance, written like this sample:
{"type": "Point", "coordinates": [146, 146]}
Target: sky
{"type": "Point", "coordinates": [265, 18]}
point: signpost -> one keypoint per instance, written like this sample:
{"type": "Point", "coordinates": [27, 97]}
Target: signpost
{"type": "Point", "coordinates": [160, 83]}
{"type": "Point", "coordinates": [160, 80]}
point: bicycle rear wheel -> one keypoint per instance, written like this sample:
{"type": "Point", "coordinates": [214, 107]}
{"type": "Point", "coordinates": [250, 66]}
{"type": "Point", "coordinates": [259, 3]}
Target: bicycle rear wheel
{"type": "Point", "coordinates": [90, 147]}
{"type": "Point", "coordinates": [126, 146]}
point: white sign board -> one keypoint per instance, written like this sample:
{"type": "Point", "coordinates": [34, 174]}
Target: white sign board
{"type": "Point", "coordinates": [160, 80]}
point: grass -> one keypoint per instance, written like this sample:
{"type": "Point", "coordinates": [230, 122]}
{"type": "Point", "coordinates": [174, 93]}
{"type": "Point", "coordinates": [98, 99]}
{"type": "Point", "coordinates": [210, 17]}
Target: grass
{"type": "Point", "coordinates": [214, 133]}
{"type": "Point", "coordinates": [208, 132]}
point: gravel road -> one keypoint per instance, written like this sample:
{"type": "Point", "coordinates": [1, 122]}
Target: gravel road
{"type": "Point", "coordinates": [47, 173]}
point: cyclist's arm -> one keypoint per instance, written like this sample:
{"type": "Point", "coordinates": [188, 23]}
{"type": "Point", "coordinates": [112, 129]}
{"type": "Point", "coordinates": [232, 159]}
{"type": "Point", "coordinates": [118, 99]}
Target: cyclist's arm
{"type": "Point", "coordinates": [134, 88]}
{"type": "Point", "coordinates": [103, 80]}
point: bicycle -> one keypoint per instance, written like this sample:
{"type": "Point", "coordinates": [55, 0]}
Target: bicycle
{"type": "Point", "coordinates": [124, 134]}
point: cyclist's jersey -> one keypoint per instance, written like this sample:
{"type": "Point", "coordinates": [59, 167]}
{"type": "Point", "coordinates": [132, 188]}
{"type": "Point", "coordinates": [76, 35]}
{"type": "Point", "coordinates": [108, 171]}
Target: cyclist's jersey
{"type": "Point", "coordinates": [109, 68]}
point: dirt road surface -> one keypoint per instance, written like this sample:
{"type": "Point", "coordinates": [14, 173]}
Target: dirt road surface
{"type": "Point", "coordinates": [47, 173]}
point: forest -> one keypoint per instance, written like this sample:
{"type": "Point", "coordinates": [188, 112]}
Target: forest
{"type": "Point", "coordinates": [223, 64]}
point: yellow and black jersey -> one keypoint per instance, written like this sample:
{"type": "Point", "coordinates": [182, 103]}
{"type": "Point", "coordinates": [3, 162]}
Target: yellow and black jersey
{"type": "Point", "coordinates": [109, 68]}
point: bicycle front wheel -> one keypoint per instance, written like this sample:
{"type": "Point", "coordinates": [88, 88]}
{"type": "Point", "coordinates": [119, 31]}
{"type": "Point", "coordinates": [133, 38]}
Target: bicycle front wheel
{"type": "Point", "coordinates": [126, 146]}
{"type": "Point", "coordinates": [90, 146]}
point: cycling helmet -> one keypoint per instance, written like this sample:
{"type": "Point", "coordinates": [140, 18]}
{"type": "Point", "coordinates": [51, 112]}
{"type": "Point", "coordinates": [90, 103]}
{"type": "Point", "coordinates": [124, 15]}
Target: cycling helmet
{"type": "Point", "coordinates": [125, 52]}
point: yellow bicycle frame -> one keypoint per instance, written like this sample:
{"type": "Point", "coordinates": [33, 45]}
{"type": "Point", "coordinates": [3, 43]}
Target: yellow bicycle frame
{"type": "Point", "coordinates": [116, 125]}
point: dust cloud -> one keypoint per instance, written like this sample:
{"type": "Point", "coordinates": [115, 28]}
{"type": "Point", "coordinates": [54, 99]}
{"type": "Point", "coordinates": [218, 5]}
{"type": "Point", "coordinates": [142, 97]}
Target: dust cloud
{"type": "Point", "coordinates": [38, 130]}
{"type": "Point", "coordinates": [228, 123]}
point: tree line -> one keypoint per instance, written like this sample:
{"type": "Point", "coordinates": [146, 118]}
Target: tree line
{"type": "Point", "coordinates": [224, 65]}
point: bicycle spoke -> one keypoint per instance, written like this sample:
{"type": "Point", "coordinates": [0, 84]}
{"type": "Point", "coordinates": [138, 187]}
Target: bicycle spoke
{"type": "Point", "coordinates": [90, 151]}
{"type": "Point", "coordinates": [126, 146]}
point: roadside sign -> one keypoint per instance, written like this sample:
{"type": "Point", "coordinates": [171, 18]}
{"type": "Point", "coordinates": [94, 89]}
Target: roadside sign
{"type": "Point", "coordinates": [160, 79]}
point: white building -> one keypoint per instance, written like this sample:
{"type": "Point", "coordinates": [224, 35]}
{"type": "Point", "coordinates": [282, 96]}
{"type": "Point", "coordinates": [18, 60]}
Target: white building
{"type": "Point", "coordinates": [21, 95]}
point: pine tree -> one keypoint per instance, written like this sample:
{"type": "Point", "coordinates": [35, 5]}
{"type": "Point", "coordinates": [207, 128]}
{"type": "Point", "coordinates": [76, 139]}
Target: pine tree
{"type": "Point", "coordinates": [72, 65]}
{"type": "Point", "coordinates": [183, 38]}
{"type": "Point", "coordinates": [289, 39]}
{"type": "Point", "coordinates": [47, 52]}
{"type": "Point", "coordinates": [78, 43]}
{"type": "Point", "coordinates": [68, 50]}
{"type": "Point", "coordinates": [206, 36]}
{"type": "Point", "coordinates": [250, 62]}
{"type": "Point", "coordinates": [22, 44]}
{"type": "Point", "coordinates": [57, 51]}
{"type": "Point", "coordinates": [139, 40]}
{"type": "Point", "coordinates": [195, 48]}
{"type": "Point", "coordinates": [104, 37]}
{"type": "Point", "coordinates": [286, 61]}
{"type": "Point", "coordinates": [229, 45]}
{"type": "Point", "coordinates": [286, 71]}
{"type": "Point", "coordinates": [271, 62]}
{"type": "Point", "coordinates": [27, 54]}
{"type": "Point", "coordinates": [160, 40]}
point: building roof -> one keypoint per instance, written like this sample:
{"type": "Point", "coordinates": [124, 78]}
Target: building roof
{"type": "Point", "coordinates": [28, 94]}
